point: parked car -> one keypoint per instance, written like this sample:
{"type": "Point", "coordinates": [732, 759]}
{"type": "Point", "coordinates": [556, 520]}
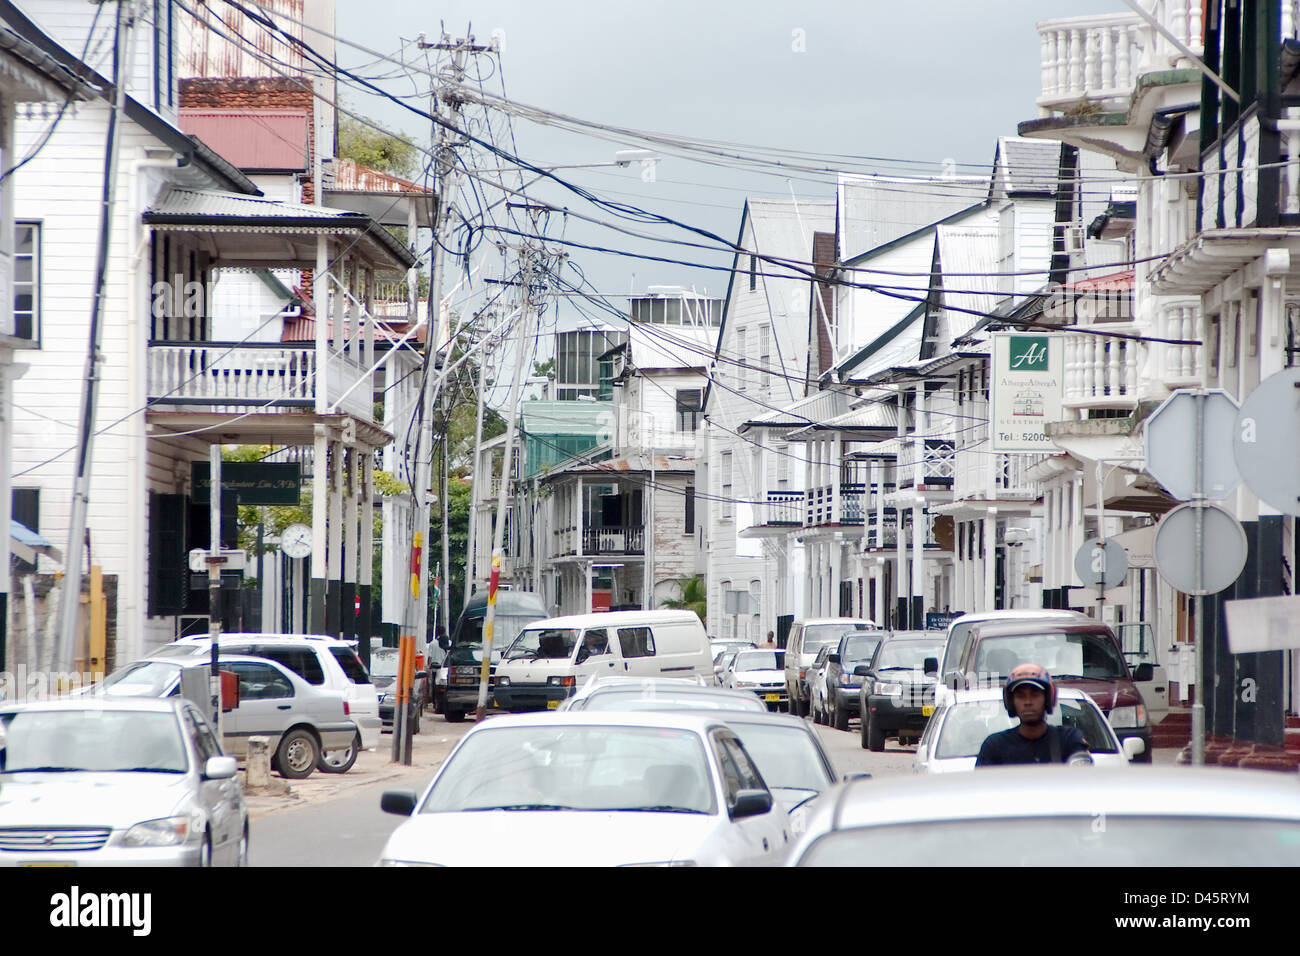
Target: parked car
{"type": "Point", "coordinates": [578, 789]}
{"type": "Point", "coordinates": [837, 683]}
{"type": "Point", "coordinates": [760, 672]}
{"type": "Point", "coordinates": [1163, 816]}
{"type": "Point", "coordinates": [805, 640]}
{"type": "Point", "coordinates": [550, 659]}
{"type": "Point", "coordinates": [665, 694]}
{"type": "Point", "coordinates": [302, 720]}
{"type": "Point", "coordinates": [958, 728]}
{"type": "Point", "coordinates": [896, 698]}
{"type": "Point", "coordinates": [789, 755]}
{"type": "Point", "coordinates": [1077, 651]}
{"type": "Point", "coordinates": [455, 684]}
{"type": "Point", "coordinates": [383, 675]}
{"type": "Point", "coordinates": [101, 781]}
{"type": "Point", "coordinates": [724, 652]}
{"type": "Point", "coordinates": [320, 661]}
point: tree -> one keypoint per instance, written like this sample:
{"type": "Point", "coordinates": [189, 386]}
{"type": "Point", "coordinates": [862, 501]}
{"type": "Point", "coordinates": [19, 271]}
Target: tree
{"type": "Point", "coordinates": [695, 597]}
{"type": "Point", "coordinates": [382, 151]}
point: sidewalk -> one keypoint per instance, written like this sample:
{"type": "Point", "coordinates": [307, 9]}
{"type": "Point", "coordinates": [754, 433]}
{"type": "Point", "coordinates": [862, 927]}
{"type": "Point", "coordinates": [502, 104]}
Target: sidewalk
{"type": "Point", "coordinates": [429, 748]}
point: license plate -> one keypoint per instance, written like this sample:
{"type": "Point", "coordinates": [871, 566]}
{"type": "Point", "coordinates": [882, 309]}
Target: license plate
{"type": "Point", "coordinates": [552, 704]}
{"type": "Point", "coordinates": [927, 710]}
{"type": "Point", "coordinates": [771, 698]}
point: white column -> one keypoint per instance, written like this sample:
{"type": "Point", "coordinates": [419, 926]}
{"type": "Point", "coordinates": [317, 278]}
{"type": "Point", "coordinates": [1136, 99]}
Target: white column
{"type": "Point", "coordinates": [900, 579]}
{"type": "Point", "coordinates": [319, 519]}
{"type": "Point", "coordinates": [349, 489]}
{"type": "Point", "coordinates": [918, 557]}
{"type": "Point", "coordinates": [990, 557]}
{"type": "Point", "coordinates": [334, 561]}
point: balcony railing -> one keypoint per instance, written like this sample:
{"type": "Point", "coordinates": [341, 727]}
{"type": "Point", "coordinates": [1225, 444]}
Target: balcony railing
{"type": "Point", "coordinates": [928, 461]}
{"type": "Point", "coordinates": [783, 508]}
{"type": "Point", "coordinates": [629, 539]}
{"type": "Point", "coordinates": [1101, 371]}
{"type": "Point", "coordinates": [982, 475]}
{"type": "Point", "coordinates": [223, 375]}
{"type": "Point", "coordinates": [1180, 364]}
{"type": "Point", "coordinates": [882, 533]}
{"type": "Point", "coordinates": [1089, 60]}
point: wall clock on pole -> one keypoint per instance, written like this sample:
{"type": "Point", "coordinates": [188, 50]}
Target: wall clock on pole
{"type": "Point", "coordinates": [295, 541]}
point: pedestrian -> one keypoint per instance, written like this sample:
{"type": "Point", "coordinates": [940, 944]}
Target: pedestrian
{"type": "Point", "coordinates": [771, 639]}
{"type": "Point", "coordinates": [1030, 695]}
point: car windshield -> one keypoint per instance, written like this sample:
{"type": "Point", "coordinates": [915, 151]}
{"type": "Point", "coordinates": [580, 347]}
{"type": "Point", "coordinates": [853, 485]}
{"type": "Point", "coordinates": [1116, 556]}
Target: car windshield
{"type": "Point", "coordinates": [1065, 841]}
{"type": "Point", "coordinates": [92, 740]}
{"type": "Point", "coordinates": [786, 756]}
{"type": "Point", "coordinates": [548, 643]}
{"type": "Point", "coordinates": [906, 655]}
{"type": "Point", "coordinates": [859, 649]}
{"type": "Point", "coordinates": [576, 768]}
{"type": "Point", "coordinates": [759, 661]}
{"type": "Point", "coordinates": [383, 661]}
{"type": "Point", "coordinates": [655, 699]}
{"type": "Point", "coordinates": [1065, 655]}
{"type": "Point", "coordinates": [817, 636]}
{"type": "Point", "coordinates": [142, 679]}
{"type": "Point", "coordinates": [967, 724]}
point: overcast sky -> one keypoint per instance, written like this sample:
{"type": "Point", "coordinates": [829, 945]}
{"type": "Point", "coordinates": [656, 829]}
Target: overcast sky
{"type": "Point", "coordinates": [915, 83]}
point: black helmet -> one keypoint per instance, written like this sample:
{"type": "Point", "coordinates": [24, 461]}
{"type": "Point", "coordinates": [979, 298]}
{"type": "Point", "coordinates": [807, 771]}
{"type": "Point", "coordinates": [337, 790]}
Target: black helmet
{"type": "Point", "coordinates": [1029, 674]}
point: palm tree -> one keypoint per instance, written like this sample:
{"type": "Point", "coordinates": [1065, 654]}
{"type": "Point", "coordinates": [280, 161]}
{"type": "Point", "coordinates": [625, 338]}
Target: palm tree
{"type": "Point", "coordinates": [694, 597]}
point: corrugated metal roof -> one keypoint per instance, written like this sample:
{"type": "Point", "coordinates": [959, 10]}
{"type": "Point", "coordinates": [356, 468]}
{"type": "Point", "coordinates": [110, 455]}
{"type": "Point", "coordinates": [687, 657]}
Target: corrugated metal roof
{"type": "Point", "coordinates": [814, 408]}
{"type": "Point", "coordinates": [177, 201]}
{"type": "Point", "coordinates": [972, 292]}
{"type": "Point", "coordinates": [873, 416]}
{"type": "Point", "coordinates": [265, 140]}
{"type": "Point", "coordinates": [1028, 165]}
{"type": "Point", "coordinates": [568, 418]}
{"type": "Point", "coordinates": [875, 210]}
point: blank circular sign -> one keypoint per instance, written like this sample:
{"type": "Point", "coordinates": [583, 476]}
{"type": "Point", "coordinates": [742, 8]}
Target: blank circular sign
{"type": "Point", "coordinates": [1101, 565]}
{"type": "Point", "coordinates": [1264, 443]}
{"type": "Point", "coordinates": [1221, 556]}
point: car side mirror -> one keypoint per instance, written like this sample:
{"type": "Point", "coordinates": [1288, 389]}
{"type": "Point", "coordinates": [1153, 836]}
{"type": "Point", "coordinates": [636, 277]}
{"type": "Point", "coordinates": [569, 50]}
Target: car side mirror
{"type": "Point", "coordinates": [751, 803]}
{"type": "Point", "coordinates": [862, 670]}
{"type": "Point", "coordinates": [1134, 747]}
{"type": "Point", "coordinates": [832, 658]}
{"type": "Point", "coordinates": [1144, 672]}
{"type": "Point", "coordinates": [220, 768]}
{"type": "Point", "coordinates": [400, 802]}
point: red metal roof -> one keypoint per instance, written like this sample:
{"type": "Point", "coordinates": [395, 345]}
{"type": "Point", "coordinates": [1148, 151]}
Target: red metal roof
{"type": "Point", "coordinates": [346, 175]}
{"type": "Point", "coordinates": [1115, 282]}
{"type": "Point", "coordinates": [264, 140]}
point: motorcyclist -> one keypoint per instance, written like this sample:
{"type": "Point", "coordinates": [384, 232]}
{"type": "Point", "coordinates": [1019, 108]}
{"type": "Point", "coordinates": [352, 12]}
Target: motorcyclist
{"type": "Point", "coordinates": [1030, 695]}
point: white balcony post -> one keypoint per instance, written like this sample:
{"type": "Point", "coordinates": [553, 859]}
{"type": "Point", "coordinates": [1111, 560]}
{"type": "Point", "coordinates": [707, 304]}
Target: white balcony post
{"type": "Point", "coordinates": [918, 560]}
{"type": "Point", "coordinates": [990, 556]}
{"type": "Point", "coordinates": [320, 302]}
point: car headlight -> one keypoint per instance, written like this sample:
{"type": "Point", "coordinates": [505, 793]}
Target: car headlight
{"type": "Point", "coordinates": [503, 681]}
{"type": "Point", "coordinates": [850, 680]}
{"type": "Point", "coordinates": [1128, 717]}
{"type": "Point", "coordinates": [888, 690]}
{"type": "Point", "coordinates": [404, 863]}
{"type": "Point", "coordinates": [169, 831]}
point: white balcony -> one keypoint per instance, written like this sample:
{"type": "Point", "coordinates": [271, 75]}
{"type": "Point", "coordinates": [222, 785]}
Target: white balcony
{"type": "Point", "coordinates": [226, 377]}
{"type": "Point", "coordinates": [1101, 371]}
{"type": "Point", "coordinates": [926, 461]}
{"type": "Point", "coordinates": [985, 476]}
{"type": "Point", "coordinates": [1180, 365]}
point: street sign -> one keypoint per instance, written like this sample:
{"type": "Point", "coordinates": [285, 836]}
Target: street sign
{"type": "Point", "coordinates": [1264, 441]}
{"type": "Point", "coordinates": [1101, 565]}
{"type": "Point", "coordinates": [1263, 624]}
{"type": "Point", "coordinates": [1086, 597]}
{"type": "Point", "coordinates": [1221, 556]}
{"type": "Point", "coordinates": [1171, 444]}
{"type": "Point", "coordinates": [1026, 390]}
{"type": "Point", "coordinates": [233, 559]}
{"type": "Point", "coordinates": [255, 482]}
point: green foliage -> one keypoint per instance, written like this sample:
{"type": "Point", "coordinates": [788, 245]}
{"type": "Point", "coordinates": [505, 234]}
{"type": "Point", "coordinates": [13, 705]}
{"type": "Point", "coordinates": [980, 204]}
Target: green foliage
{"type": "Point", "coordinates": [381, 151]}
{"type": "Point", "coordinates": [694, 597]}
{"type": "Point", "coordinates": [451, 587]}
{"type": "Point", "coordinates": [386, 486]}
{"type": "Point", "coordinates": [544, 369]}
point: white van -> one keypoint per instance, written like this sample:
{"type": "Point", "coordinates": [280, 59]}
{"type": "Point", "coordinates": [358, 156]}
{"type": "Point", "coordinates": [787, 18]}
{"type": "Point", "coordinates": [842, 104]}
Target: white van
{"type": "Point", "coordinates": [550, 659]}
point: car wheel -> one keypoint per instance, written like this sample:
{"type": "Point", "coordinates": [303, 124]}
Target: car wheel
{"type": "Point", "coordinates": [839, 719]}
{"type": "Point", "coordinates": [453, 716]}
{"type": "Point", "coordinates": [242, 858]}
{"type": "Point", "coordinates": [875, 736]}
{"type": "Point", "coordinates": [297, 754]}
{"type": "Point", "coordinates": [340, 761]}
{"type": "Point", "coordinates": [205, 851]}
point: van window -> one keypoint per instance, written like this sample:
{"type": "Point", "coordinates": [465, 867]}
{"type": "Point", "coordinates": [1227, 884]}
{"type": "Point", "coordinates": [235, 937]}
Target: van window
{"type": "Point", "coordinates": [636, 642]}
{"type": "Point", "coordinates": [301, 660]}
{"type": "Point", "coordinates": [351, 664]}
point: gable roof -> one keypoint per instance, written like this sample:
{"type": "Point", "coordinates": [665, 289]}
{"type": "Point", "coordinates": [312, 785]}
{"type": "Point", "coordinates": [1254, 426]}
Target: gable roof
{"type": "Point", "coordinates": [876, 211]}
{"type": "Point", "coordinates": [1026, 167]}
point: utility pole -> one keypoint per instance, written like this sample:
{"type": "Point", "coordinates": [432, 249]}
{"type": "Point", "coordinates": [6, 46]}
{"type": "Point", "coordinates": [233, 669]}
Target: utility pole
{"type": "Point", "coordinates": [71, 599]}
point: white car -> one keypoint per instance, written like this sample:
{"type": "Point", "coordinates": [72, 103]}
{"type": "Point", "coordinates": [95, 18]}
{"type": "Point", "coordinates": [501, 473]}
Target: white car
{"type": "Point", "coordinates": [592, 789]}
{"type": "Point", "coordinates": [598, 682]}
{"type": "Point", "coordinates": [958, 728]}
{"type": "Point", "coordinates": [321, 661]}
{"type": "Point", "coordinates": [761, 672]}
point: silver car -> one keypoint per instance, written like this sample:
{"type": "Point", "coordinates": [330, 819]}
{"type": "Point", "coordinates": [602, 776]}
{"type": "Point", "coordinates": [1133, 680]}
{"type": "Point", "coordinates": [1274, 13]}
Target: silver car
{"type": "Point", "coordinates": [580, 789]}
{"type": "Point", "coordinates": [663, 694]}
{"type": "Point", "coordinates": [116, 782]}
{"type": "Point", "coordinates": [1059, 816]}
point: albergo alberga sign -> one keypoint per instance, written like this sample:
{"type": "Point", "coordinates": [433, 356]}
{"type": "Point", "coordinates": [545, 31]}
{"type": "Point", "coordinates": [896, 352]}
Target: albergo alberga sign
{"type": "Point", "coordinates": [1026, 391]}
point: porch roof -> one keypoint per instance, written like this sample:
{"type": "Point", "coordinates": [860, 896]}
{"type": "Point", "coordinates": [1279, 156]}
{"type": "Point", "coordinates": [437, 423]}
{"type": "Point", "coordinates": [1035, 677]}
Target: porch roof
{"type": "Point", "coordinates": [257, 232]}
{"type": "Point", "coordinates": [873, 420]}
{"type": "Point", "coordinates": [26, 544]}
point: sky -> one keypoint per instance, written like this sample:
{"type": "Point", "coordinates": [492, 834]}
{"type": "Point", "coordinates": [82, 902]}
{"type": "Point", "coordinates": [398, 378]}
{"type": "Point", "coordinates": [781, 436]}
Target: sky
{"type": "Point", "coordinates": [909, 85]}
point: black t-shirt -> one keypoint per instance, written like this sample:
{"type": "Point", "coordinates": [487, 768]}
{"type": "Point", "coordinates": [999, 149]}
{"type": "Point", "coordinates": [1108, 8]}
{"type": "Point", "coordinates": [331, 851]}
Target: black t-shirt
{"type": "Point", "coordinates": [1011, 747]}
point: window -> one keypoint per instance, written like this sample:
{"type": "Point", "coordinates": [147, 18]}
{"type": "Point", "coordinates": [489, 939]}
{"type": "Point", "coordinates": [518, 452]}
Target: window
{"type": "Point", "coordinates": [26, 510]}
{"type": "Point", "coordinates": [351, 664]}
{"type": "Point", "coordinates": [636, 642]}
{"type": "Point", "coordinates": [689, 524]}
{"type": "Point", "coordinates": [742, 352]}
{"type": "Point", "coordinates": [688, 409]}
{"type": "Point", "coordinates": [27, 280]}
{"type": "Point", "coordinates": [753, 273]}
{"type": "Point", "coordinates": [301, 660]}
{"type": "Point", "coordinates": [764, 355]}
{"type": "Point", "coordinates": [726, 484]}
{"type": "Point", "coordinates": [259, 681]}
